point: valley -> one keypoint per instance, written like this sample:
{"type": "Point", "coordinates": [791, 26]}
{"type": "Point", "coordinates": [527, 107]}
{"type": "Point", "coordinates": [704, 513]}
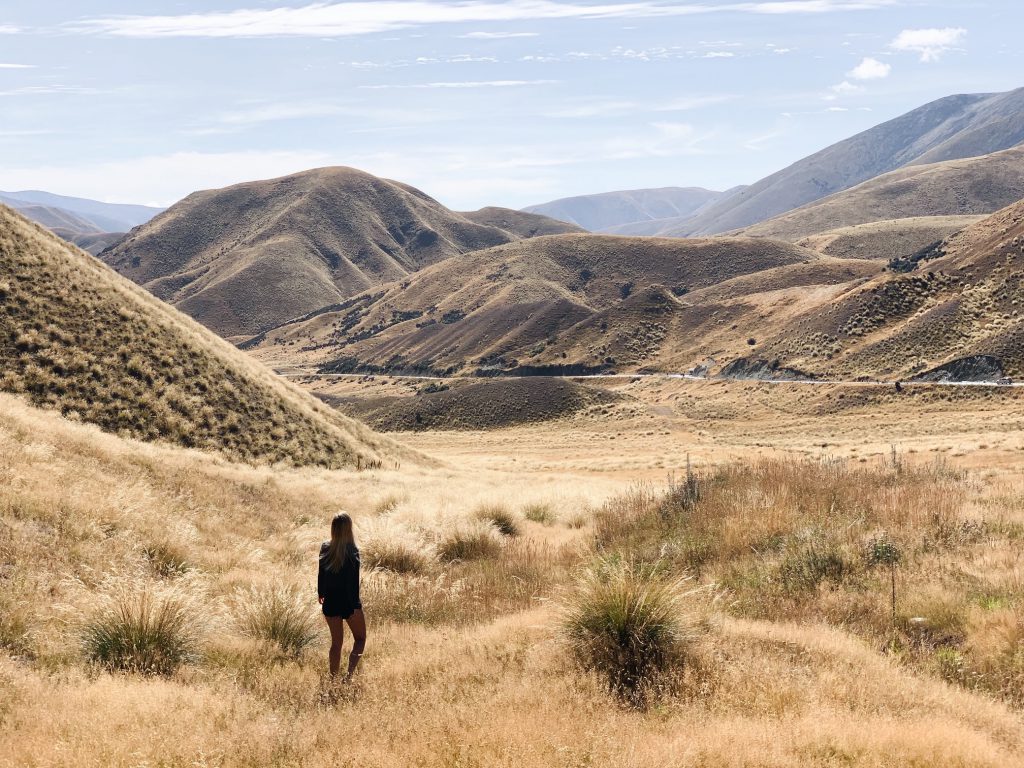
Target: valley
{"type": "Point", "coordinates": [652, 478]}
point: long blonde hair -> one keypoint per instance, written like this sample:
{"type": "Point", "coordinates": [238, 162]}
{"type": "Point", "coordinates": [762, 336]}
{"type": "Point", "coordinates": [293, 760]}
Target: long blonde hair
{"type": "Point", "coordinates": [341, 536]}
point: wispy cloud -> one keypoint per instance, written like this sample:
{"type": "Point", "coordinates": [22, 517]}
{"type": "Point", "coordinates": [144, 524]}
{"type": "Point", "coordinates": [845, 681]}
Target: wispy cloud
{"type": "Point", "coordinates": [17, 66]}
{"type": "Point", "coordinates": [718, 55]}
{"type": "Point", "coordinates": [610, 108]}
{"type": "Point", "coordinates": [9, 29]}
{"type": "Point", "coordinates": [870, 69]}
{"type": "Point", "coordinates": [497, 35]}
{"type": "Point", "coordinates": [233, 121]}
{"type": "Point", "coordinates": [463, 84]}
{"type": "Point", "coordinates": [929, 43]}
{"type": "Point", "coordinates": [44, 90]}
{"type": "Point", "coordinates": [360, 18]}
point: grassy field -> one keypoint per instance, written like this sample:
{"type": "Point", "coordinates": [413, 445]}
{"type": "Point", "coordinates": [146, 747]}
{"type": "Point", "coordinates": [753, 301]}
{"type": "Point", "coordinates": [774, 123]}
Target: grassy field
{"type": "Point", "coordinates": [788, 551]}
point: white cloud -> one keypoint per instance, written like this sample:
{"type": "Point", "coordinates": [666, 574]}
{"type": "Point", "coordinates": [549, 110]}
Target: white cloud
{"type": "Point", "coordinates": [870, 69]}
{"type": "Point", "coordinates": [930, 43]}
{"type": "Point", "coordinates": [326, 19]}
{"type": "Point", "coordinates": [8, 29]}
{"type": "Point", "coordinates": [782, 51]}
{"type": "Point", "coordinates": [465, 84]}
{"type": "Point", "coordinates": [844, 88]}
{"type": "Point", "coordinates": [17, 66]}
{"type": "Point", "coordinates": [498, 35]}
{"type": "Point", "coordinates": [718, 55]}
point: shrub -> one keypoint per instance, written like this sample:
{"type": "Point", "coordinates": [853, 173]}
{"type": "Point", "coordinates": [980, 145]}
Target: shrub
{"type": "Point", "coordinates": [500, 517]}
{"type": "Point", "coordinates": [469, 540]}
{"type": "Point", "coordinates": [144, 632]}
{"type": "Point", "coordinates": [628, 623]}
{"type": "Point", "coordinates": [539, 512]}
{"type": "Point", "coordinates": [280, 616]}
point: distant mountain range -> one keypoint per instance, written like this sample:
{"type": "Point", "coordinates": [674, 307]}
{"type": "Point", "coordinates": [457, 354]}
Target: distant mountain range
{"type": "Point", "coordinates": [947, 129]}
{"type": "Point", "coordinates": [89, 224]}
{"type": "Point", "coordinates": [605, 211]}
{"type": "Point", "coordinates": [972, 186]}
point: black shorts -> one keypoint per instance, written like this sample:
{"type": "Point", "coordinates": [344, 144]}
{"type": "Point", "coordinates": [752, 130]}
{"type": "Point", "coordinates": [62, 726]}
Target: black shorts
{"type": "Point", "coordinates": [332, 610]}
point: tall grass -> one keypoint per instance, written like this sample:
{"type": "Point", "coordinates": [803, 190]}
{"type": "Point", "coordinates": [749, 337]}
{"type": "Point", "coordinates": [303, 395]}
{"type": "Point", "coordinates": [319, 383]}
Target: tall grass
{"type": "Point", "coordinates": [280, 616]}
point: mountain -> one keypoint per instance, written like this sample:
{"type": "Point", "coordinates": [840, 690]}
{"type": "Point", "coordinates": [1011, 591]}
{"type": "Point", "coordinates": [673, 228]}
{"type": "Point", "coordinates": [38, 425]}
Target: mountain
{"type": "Point", "coordinates": [104, 217]}
{"type": "Point", "coordinates": [604, 211]}
{"type": "Point", "coordinates": [508, 308]}
{"type": "Point", "coordinates": [972, 186]}
{"type": "Point", "coordinates": [249, 257]}
{"type": "Point", "coordinates": [78, 338]}
{"type": "Point", "coordinates": [958, 306]}
{"type": "Point", "coordinates": [950, 128]}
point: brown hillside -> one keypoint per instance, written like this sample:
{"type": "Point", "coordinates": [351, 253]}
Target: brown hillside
{"type": "Point", "coordinates": [887, 240]}
{"type": "Point", "coordinates": [976, 185]}
{"type": "Point", "coordinates": [654, 329]}
{"type": "Point", "coordinates": [962, 303]}
{"type": "Point", "coordinates": [76, 337]}
{"type": "Point", "coordinates": [252, 256]}
{"type": "Point", "coordinates": [504, 306]}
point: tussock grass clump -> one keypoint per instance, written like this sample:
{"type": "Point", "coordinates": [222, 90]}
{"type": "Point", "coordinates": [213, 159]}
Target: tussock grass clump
{"type": "Point", "coordinates": [538, 512]}
{"type": "Point", "coordinates": [382, 544]}
{"type": "Point", "coordinates": [632, 624]}
{"type": "Point", "coordinates": [501, 517]}
{"type": "Point", "coordinates": [166, 559]}
{"type": "Point", "coordinates": [147, 632]}
{"type": "Point", "coordinates": [281, 616]}
{"type": "Point", "coordinates": [469, 540]}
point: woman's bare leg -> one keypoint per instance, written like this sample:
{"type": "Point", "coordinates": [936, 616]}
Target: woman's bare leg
{"type": "Point", "coordinates": [337, 627]}
{"type": "Point", "coordinates": [357, 624]}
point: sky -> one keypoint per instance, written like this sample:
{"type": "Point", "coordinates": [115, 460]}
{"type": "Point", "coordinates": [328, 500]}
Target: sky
{"type": "Point", "coordinates": [476, 102]}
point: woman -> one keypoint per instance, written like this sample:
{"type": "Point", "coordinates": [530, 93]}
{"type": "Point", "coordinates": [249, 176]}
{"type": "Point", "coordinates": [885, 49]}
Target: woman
{"type": "Point", "coordinates": [338, 587]}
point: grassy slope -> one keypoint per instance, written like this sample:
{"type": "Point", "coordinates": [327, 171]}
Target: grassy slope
{"type": "Point", "coordinates": [77, 338]}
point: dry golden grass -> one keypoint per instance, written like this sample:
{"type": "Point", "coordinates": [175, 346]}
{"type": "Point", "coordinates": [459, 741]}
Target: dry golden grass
{"type": "Point", "coordinates": [465, 663]}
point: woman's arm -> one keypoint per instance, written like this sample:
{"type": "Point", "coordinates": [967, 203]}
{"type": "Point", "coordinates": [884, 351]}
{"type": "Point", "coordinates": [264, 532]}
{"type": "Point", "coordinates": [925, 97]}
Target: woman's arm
{"type": "Point", "coordinates": [321, 581]}
{"type": "Point", "coordinates": [354, 584]}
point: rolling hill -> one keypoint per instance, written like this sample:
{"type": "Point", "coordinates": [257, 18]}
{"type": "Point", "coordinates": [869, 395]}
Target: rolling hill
{"type": "Point", "coordinates": [887, 240]}
{"type": "Point", "coordinates": [972, 186]}
{"type": "Point", "coordinates": [950, 128]}
{"type": "Point", "coordinates": [605, 211]}
{"type": "Point", "coordinates": [76, 337]}
{"type": "Point", "coordinates": [959, 307]}
{"type": "Point", "coordinates": [511, 308]}
{"type": "Point", "coordinates": [249, 257]}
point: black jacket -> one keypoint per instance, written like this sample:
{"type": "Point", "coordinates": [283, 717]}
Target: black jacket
{"type": "Point", "coordinates": [340, 588]}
